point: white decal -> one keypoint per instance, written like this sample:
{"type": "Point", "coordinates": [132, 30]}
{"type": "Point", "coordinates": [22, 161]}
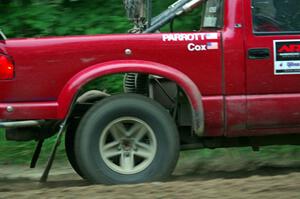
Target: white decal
{"type": "Point", "coordinates": [183, 37]}
{"type": "Point", "coordinates": [194, 47]}
{"type": "Point", "coordinates": [189, 37]}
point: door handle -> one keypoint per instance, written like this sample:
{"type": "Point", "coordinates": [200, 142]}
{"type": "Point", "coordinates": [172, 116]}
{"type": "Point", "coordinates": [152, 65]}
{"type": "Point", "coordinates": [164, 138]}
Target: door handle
{"type": "Point", "coordinates": [259, 53]}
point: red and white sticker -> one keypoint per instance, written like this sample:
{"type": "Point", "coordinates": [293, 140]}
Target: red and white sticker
{"type": "Point", "coordinates": [189, 37]}
{"type": "Point", "coordinates": [192, 38]}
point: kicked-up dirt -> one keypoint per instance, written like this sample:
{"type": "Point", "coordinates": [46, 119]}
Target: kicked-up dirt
{"type": "Point", "coordinates": [223, 178]}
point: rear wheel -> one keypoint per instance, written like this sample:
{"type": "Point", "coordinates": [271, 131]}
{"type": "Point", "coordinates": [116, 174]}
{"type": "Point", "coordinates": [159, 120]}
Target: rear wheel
{"type": "Point", "coordinates": [126, 139]}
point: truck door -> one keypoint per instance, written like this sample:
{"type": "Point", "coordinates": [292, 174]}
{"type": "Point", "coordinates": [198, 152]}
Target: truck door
{"type": "Point", "coordinates": [272, 40]}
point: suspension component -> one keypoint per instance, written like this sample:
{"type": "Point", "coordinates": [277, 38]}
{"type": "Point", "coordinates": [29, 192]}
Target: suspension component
{"type": "Point", "coordinates": [136, 83]}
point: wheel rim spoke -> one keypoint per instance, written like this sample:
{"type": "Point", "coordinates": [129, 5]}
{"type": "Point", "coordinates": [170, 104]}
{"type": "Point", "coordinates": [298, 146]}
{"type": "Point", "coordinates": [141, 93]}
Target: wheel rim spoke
{"type": "Point", "coordinates": [127, 161]}
{"type": "Point", "coordinates": [112, 153]}
{"type": "Point", "coordinates": [123, 146]}
{"type": "Point", "coordinates": [112, 146]}
{"type": "Point", "coordinates": [111, 149]}
{"type": "Point", "coordinates": [144, 150]}
{"type": "Point", "coordinates": [117, 132]}
{"type": "Point", "coordinates": [134, 129]}
{"type": "Point", "coordinates": [121, 128]}
{"type": "Point", "coordinates": [140, 134]}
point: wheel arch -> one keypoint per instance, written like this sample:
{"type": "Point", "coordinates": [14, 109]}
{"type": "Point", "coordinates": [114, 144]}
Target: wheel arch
{"type": "Point", "coordinates": [73, 86]}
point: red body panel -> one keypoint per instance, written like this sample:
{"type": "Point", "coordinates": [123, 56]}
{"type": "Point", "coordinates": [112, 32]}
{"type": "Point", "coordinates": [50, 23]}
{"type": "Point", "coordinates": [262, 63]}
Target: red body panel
{"type": "Point", "coordinates": [274, 111]}
{"type": "Point", "coordinates": [44, 66]}
{"type": "Point", "coordinates": [2, 49]}
{"type": "Point", "coordinates": [241, 96]}
{"type": "Point", "coordinates": [53, 69]}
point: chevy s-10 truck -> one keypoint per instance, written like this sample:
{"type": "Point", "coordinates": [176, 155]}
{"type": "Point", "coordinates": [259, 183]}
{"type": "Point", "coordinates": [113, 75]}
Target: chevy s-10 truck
{"type": "Point", "coordinates": [234, 82]}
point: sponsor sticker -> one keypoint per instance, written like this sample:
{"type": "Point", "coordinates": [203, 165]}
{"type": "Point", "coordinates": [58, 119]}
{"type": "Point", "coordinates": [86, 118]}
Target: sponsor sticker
{"type": "Point", "coordinates": [211, 36]}
{"type": "Point", "coordinates": [199, 47]}
{"type": "Point", "coordinates": [195, 40]}
{"type": "Point", "coordinates": [287, 57]}
{"type": "Point", "coordinates": [181, 37]}
{"type": "Point", "coordinates": [212, 45]}
{"type": "Point", "coordinates": [196, 47]}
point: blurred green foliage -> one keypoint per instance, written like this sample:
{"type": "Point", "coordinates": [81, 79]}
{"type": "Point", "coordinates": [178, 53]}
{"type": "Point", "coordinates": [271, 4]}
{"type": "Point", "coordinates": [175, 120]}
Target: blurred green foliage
{"type": "Point", "coordinates": [112, 84]}
{"type": "Point", "coordinates": [21, 152]}
{"type": "Point", "coordinates": [36, 18]}
{"type": "Point", "coordinates": [29, 18]}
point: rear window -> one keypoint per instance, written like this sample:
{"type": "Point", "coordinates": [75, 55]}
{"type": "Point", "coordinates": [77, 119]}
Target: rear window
{"type": "Point", "coordinates": [276, 16]}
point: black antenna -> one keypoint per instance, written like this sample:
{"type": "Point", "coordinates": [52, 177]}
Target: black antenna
{"type": "Point", "coordinates": [149, 13]}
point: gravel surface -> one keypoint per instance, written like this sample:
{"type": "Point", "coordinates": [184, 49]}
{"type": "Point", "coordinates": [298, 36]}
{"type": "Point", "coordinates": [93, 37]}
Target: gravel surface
{"type": "Point", "coordinates": [192, 179]}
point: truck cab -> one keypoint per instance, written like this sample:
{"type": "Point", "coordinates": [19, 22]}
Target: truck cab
{"type": "Point", "coordinates": [268, 75]}
{"type": "Point", "coordinates": [231, 83]}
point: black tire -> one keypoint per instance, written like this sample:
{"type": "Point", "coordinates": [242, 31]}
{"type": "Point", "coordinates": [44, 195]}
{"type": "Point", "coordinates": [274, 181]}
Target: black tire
{"type": "Point", "coordinates": [69, 144]}
{"type": "Point", "coordinates": [87, 152]}
{"type": "Point", "coordinates": [91, 96]}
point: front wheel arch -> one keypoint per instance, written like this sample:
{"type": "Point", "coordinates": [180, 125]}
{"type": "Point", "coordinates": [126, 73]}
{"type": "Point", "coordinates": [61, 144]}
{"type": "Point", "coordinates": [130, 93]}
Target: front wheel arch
{"type": "Point", "coordinates": [136, 66]}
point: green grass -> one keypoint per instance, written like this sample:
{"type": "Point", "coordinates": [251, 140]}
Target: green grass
{"type": "Point", "coordinates": [21, 153]}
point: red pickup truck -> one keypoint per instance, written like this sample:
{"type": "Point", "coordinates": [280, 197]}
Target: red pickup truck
{"type": "Point", "coordinates": [233, 83]}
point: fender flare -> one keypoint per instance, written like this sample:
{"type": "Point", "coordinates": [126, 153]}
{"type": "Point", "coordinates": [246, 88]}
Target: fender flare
{"type": "Point", "coordinates": [72, 87]}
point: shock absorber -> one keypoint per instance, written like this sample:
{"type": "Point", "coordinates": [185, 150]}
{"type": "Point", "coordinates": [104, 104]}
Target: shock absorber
{"type": "Point", "coordinates": [136, 83]}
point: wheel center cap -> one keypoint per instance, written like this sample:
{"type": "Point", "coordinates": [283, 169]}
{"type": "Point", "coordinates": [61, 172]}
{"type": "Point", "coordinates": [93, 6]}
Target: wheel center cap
{"type": "Point", "coordinates": [127, 145]}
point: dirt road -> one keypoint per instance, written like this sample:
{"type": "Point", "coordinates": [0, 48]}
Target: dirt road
{"type": "Point", "coordinates": [191, 179]}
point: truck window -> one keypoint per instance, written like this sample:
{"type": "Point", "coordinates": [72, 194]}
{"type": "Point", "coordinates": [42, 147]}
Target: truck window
{"type": "Point", "coordinates": [213, 14]}
{"type": "Point", "coordinates": [210, 12]}
{"type": "Point", "coordinates": [276, 16]}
